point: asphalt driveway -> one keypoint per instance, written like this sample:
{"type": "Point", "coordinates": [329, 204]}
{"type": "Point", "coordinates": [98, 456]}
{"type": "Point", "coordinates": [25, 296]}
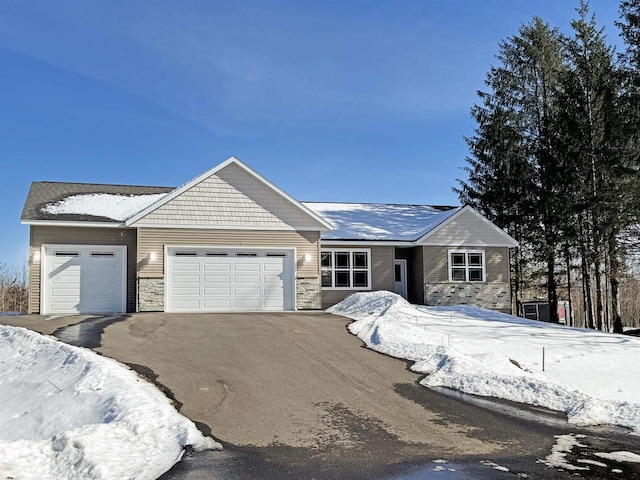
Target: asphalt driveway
{"type": "Point", "coordinates": [294, 395]}
{"type": "Point", "coordinates": [291, 379]}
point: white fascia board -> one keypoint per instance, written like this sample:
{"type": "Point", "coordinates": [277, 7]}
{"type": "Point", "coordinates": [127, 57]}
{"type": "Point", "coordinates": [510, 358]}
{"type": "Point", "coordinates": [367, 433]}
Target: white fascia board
{"type": "Point", "coordinates": [214, 170]}
{"type": "Point", "coordinates": [508, 240]}
{"type": "Point", "coordinates": [174, 246]}
{"type": "Point", "coordinates": [376, 243]}
{"type": "Point", "coordinates": [256, 228]}
{"type": "Point", "coordinates": [71, 223]}
{"type": "Point", "coordinates": [467, 244]}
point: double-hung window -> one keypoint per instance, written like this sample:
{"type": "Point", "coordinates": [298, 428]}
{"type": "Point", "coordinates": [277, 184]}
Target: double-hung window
{"type": "Point", "coordinates": [467, 266]}
{"type": "Point", "coordinates": [346, 269]}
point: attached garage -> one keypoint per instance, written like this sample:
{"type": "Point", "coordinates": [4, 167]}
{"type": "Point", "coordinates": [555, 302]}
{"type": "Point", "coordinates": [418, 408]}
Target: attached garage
{"type": "Point", "coordinates": [229, 279]}
{"type": "Point", "coordinates": [228, 240]}
{"type": "Point", "coordinates": [83, 279]}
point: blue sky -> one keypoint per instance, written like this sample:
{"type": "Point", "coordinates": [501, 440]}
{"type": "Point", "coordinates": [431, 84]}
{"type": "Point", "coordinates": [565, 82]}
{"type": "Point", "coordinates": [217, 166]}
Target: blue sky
{"type": "Point", "coordinates": [364, 101]}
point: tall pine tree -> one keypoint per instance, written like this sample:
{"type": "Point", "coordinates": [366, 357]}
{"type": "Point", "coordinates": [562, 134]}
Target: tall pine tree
{"type": "Point", "coordinates": [513, 174]}
{"type": "Point", "coordinates": [629, 102]}
{"type": "Point", "coordinates": [589, 146]}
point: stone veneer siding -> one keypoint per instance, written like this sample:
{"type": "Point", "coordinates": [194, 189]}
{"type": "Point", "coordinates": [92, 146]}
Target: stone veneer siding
{"type": "Point", "coordinates": [492, 295]}
{"type": "Point", "coordinates": [150, 294]}
{"type": "Point", "coordinates": [308, 293]}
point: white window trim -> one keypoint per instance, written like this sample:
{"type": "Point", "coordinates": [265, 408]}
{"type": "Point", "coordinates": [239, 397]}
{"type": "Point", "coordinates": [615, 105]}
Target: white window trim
{"type": "Point", "coordinates": [467, 267]}
{"type": "Point", "coordinates": [351, 269]}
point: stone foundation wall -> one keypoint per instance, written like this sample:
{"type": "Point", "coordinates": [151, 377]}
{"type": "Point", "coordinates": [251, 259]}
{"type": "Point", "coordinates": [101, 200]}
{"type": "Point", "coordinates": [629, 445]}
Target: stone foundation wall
{"type": "Point", "coordinates": [308, 293]}
{"type": "Point", "coordinates": [492, 295]}
{"type": "Point", "coordinates": [150, 294]}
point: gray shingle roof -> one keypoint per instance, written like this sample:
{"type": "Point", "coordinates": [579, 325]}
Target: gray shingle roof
{"type": "Point", "coordinates": [44, 193]}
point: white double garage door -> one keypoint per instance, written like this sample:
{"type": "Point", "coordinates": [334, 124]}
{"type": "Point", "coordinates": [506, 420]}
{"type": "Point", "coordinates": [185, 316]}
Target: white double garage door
{"type": "Point", "coordinates": [92, 279]}
{"type": "Point", "coordinates": [229, 279]}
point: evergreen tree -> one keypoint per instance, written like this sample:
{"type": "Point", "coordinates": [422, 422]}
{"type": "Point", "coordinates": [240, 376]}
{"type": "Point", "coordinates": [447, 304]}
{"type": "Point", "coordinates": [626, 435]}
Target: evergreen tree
{"type": "Point", "coordinates": [629, 185]}
{"type": "Point", "coordinates": [589, 143]}
{"type": "Point", "coordinates": [513, 174]}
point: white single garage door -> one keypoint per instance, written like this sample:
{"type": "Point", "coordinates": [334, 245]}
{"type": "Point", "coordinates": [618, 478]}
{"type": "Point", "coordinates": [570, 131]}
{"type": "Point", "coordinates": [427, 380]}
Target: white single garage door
{"type": "Point", "coordinates": [211, 280]}
{"type": "Point", "coordinates": [83, 279]}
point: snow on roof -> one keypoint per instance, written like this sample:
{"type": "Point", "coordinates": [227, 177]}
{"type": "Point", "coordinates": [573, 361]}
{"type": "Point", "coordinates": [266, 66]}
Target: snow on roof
{"type": "Point", "coordinates": [116, 207]}
{"type": "Point", "coordinates": [380, 221]}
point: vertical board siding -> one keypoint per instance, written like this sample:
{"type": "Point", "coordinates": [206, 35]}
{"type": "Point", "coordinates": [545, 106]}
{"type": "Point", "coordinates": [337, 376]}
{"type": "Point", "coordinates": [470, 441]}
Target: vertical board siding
{"type": "Point", "coordinates": [382, 274]}
{"type": "Point", "coordinates": [40, 235]}
{"type": "Point", "coordinates": [230, 197]}
{"type": "Point", "coordinates": [153, 240]}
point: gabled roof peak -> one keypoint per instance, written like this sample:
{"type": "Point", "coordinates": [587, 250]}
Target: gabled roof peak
{"type": "Point", "coordinates": [323, 224]}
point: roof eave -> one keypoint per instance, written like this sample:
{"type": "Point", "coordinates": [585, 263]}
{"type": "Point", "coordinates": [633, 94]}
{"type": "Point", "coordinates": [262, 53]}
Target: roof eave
{"type": "Point", "coordinates": [73, 223]}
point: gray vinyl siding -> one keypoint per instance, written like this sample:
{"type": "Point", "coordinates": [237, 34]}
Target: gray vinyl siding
{"type": "Point", "coordinates": [436, 263]}
{"type": "Point", "coordinates": [381, 274]}
{"type": "Point", "coordinates": [40, 235]}
{"type": "Point", "coordinates": [230, 197]}
{"type": "Point", "coordinates": [467, 228]}
{"type": "Point", "coordinates": [494, 293]}
{"type": "Point", "coordinates": [153, 240]}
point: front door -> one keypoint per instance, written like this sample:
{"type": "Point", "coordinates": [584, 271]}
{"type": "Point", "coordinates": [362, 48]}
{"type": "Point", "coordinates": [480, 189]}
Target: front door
{"type": "Point", "coordinates": [400, 283]}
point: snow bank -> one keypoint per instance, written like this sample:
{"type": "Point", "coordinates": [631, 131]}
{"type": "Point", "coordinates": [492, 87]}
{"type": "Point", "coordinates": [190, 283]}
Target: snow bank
{"type": "Point", "coordinates": [592, 376]}
{"type": "Point", "coordinates": [116, 207]}
{"type": "Point", "coordinates": [66, 412]}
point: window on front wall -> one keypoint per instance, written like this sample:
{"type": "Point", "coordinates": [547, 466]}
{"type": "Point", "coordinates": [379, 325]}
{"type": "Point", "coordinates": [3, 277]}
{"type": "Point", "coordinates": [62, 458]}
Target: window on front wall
{"type": "Point", "coordinates": [466, 266]}
{"type": "Point", "coordinates": [345, 269]}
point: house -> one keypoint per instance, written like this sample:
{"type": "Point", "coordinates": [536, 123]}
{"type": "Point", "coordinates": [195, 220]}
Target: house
{"type": "Point", "coordinates": [230, 240]}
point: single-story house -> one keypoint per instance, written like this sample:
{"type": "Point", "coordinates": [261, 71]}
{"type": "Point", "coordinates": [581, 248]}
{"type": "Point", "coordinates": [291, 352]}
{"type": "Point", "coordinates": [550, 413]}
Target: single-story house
{"type": "Point", "coordinates": [230, 240]}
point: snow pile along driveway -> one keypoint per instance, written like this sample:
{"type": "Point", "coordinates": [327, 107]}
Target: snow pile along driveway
{"type": "Point", "coordinates": [593, 377]}
{"type": "Point", "coordinates": [66, 412]}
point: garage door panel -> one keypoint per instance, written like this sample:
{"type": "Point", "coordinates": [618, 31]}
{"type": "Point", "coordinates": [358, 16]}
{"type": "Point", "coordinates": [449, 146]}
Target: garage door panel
{"type": "Point", "coordinates": [247, 303]}
{"type": "Point", "coordinates": [273, 267]}
{"type": "Point", "coordinates": [272, 279]}
{"type": "Point", "coordinates": [186, 279]}
{"type": "Point", "coordinates": [225, 279]}
{"type": "Point", "coordinates": [232, 279]}
{"type": "Point", "coordinates": [216, 304]}
{"type": "Point", "coordinates": [186, 267]}
{"type": "Point", "coordinates": [216, 266]}
{"type": "Point", "coordinates": [187, 304]}
{"type": "Point", "coordinates": [252, 279]}
{"type": "Point", "coordinates": [68, 291]}
{"type": "Point", "coordinates": [184, 291]}
{"type": "Point", "coordinates": [251, 290]}
{"type": "Point", "coordinates": [221, 290]}
{"type": "Point", "coordinates": [64, 306]}
{"type": "Point", "coordinates": [275, 304]}
{"type": "Point", "coordinates": [243, 266]}
{"type": "Point", "coordinates": [72, 279]}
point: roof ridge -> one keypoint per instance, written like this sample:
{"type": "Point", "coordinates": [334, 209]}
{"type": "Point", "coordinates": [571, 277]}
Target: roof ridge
{"type": "Point", "coordinates": [102, 184]}
{"type": "Point", "coordinates": [385, 203]}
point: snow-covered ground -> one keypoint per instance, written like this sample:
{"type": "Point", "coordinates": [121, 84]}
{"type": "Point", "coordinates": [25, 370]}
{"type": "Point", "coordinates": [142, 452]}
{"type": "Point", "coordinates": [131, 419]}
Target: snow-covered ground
{"type": "Point", "coordinates": [593, 377]}
{"type": "Point", "coordinates": [68, 413]}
